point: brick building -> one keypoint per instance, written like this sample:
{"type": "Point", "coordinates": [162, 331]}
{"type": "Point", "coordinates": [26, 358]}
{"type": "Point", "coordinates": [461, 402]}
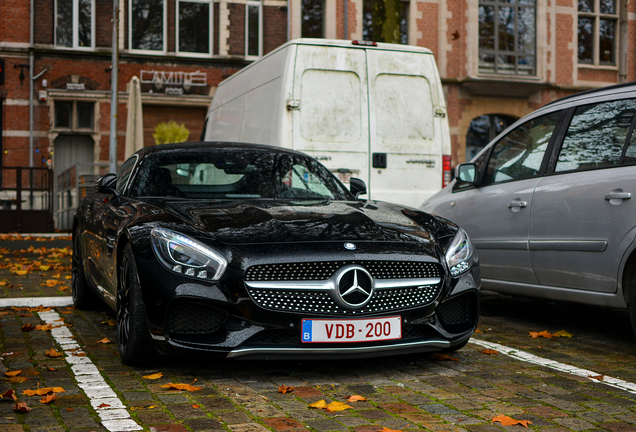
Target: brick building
{"type": "Point", "coordinates": [498, 59]}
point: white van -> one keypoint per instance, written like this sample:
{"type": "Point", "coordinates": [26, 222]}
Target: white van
{"type": "Point", "coordinates": [369, 110]}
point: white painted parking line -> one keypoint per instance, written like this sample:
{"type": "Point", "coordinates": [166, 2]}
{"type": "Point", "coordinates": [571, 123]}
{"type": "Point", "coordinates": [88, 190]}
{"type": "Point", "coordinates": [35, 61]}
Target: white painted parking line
{"type": "Point", "coordinates": [531, 358]}
{"type": "Point", "coordinates": [36, 301]}
{"type": "Point", "coordinates": [103, 399]}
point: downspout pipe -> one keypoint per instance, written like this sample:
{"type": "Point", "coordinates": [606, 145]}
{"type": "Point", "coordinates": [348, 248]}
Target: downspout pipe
{"type": "Point", "coordinates": [346, 20]}
{"type": "Point", "coordinates": [31, 65]}
{"type": "Point", "coordinates": [114, 78]}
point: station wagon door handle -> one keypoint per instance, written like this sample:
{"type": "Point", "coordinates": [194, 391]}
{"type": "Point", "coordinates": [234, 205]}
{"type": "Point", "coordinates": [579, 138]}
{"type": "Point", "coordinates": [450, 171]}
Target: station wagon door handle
{"type": "Point", "coordinates": [618, 195]}
{"type": "Point", "coordinates": [517, 204]}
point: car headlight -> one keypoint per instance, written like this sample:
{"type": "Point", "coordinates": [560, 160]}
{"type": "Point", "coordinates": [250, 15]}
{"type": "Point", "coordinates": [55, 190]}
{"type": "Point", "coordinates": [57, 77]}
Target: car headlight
{"type": "Point", "coordinates": [459, 254]}
{"type": "Point", "coordinates": [186, 256]}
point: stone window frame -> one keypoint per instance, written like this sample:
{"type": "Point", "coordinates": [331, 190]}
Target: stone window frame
{"type": "Point", "coordinates": [74, 126]}
{"type": "Point", "coordinates": [515, 52]}
{"type": "Point", "coordinates": [75, 26]}
{"type": "Point", "coordinates": [252, 4]}
{"type": "Point", "coordinates": [597, 16]}
{"type": "Point", "coordinates": [211, 30]}
{"type": "Point", "coordinates": [164, 49]}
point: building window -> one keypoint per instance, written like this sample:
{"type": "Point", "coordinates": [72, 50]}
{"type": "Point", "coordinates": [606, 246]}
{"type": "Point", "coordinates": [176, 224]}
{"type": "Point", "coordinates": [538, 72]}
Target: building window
{"type": "Point", "coordinates": [147, 25]}
{"type": "Point", "coordinates": [507, 37]}
{"type": "Point", "coordinates": [385, 21]}
{"type": "Point", "coordinates": [313, 24]}
{"type": "Point", "coordinates": [73, 115]}
{"type": "Point", "coordinates": [74, 23]}
{"type": "Point", "coordinates": [194, 20]}
{"type": "Point", "coordinates": [598, 27]}
{"type": "Point", "coordinates": [253, 28]}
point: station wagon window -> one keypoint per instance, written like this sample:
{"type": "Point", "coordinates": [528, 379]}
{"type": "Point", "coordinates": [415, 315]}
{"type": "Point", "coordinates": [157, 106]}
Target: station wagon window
{"type": "Point", "coordinates": [519, 154]}
{"type": "Point", "coordinates": [596, 135]}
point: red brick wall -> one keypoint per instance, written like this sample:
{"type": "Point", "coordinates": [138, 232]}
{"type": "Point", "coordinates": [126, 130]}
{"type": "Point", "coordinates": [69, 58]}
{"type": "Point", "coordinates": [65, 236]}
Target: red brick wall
{"type": "Point", "coordinates": [564, 66]}
{"type": "Point", "coordinates": [14, 21]}
{"type": "Point", "coordinates": [607, 76]}
{"type": "Point", "coordinates": [171, 42]}
{"type": "Point", "coordinates": [274, 27]}
{"type": "Point", "coordinates": [237, 29]}
{"type": "Point", "coordinates": [44, 32]}
{"type": "Point", "coordinates": [215, 41]}
{"type": "Point", "coordinates": [456, 67]}
{"type": "Point", "coordinates": [428, 26]}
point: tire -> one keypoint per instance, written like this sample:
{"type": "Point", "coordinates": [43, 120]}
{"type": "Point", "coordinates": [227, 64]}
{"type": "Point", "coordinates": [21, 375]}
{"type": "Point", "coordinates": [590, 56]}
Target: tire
{"type": "Point", "coordinates": [133, 336]}
{"type": "Point", "coordinates": [632, 308]}
{"type": "Point", "coordinates": [83, 297]}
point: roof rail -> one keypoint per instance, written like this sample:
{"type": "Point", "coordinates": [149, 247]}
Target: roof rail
{"type": "Point", "coordinates": [592, 91]}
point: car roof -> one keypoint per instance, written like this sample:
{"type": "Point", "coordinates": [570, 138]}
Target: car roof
{"type": "Point", "coordinates": [213, 145]}
{"type": "Point", "coordinates": [602, 91]}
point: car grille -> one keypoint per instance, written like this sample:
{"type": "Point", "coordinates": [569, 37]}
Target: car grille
{"type": "Point", "coordinates": [324, 270]}
{"type": "Point", "coordinates": [286, 299]}
{"type": "Point", "coordinates": [194, 318]}
{"type": "Point", "coordinates": [459, 313]}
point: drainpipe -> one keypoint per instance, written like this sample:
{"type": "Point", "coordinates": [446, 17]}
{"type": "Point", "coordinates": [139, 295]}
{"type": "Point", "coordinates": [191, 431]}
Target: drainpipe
{"type": "Point", "coordinates": [31, 62]}
{"type": "Point", "coordinates": [288, 19]}
{"type": "Point", "coordinates": [622, 43]}
{"type": "Point", "coordinates": [346, 19]}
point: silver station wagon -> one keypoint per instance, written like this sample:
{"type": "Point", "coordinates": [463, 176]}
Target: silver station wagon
{"type": "Point", "coordinates": [548, 203]}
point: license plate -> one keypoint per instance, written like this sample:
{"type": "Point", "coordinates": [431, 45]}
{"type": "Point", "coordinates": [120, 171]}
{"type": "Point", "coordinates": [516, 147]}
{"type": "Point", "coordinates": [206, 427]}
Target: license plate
{"type": "Point", "coordinates": [351, 330]}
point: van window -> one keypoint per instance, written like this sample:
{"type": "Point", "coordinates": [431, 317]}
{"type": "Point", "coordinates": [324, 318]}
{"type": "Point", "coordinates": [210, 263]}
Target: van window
{"type": "Point", "coordinates": [519, 154]}
{"type": "Point", "coordinates": [596, 135]}
{"type": "Point", "coordinates": [405, 112]}
{"type": "Point", "coordinates": [330, 106]}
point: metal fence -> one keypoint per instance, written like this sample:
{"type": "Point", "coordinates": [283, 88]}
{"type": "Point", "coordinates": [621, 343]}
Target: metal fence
{"type": "Point", "coordinates": [26, 203]}
{"type": "Point", "coordinates": [73, 185]}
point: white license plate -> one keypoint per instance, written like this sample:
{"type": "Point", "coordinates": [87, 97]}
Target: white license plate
{"type": "Point", "coordinates": [351, 330]}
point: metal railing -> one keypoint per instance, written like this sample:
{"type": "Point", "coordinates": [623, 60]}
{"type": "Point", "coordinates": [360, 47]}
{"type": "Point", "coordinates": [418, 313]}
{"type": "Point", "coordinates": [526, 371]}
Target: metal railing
{"type": "Point", "coordinates": [72, 186]}
{"type": "Point", "coordinates": [26, 199]}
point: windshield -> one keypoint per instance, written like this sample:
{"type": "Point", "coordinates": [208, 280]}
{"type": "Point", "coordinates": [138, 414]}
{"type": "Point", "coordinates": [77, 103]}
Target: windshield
{"type": "Point", "coordinates": [235, 174]}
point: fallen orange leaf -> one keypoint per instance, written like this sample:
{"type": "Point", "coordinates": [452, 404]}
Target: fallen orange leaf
{"type": "Point", "coordinates": [48, 399]}
{"type": "Point", "coordinates": [386, 429]}
{"type": "Point", "coordinates": [27, 327]}
{"type": "Point", "coordinates": [21, 407]}
{"type": "Point", "coordinates": [285, 389]}
{"type": "Point", "coordinates": [443, 357]}
{"type": "Point", "coordinates": [43, 391]}
{"type": "Point", "coordinates": [9, 394]}
{"type": "Point", "coordinates": [103, 405]}
{"type": "Point", "coordinates": [110, 322]}
{"type": "Point", "coordinates": [544, 334]}
{"type": "Point", "coordinates": [104, 341]}
{"type": "Point", "coordinates": [338, 406]}
{"type": "Point", "coordinates": [12, 374]}
{"type": "Point", "coordinates": [562, 333]}
{"type": "Point", "coordinates": [154, 376]}
{"type": "Point", "coordinates": [321, 404]}
{"type": "Point", "coordinates": [18, 379]}
{"type": "Point", "coordinates": [43, 327]}
{"type": "Point", "coordinates": [597, 377]}
{"type": "Point", "coordinates": [196, 406]}
{"type": "Point", "coordinates": [507, 421]}
{"type": "Point", "coordinates": [188, 387]}
{"type": "Point", "coordinates": [356, 398]}
{"type": "Point", "coordinates": [53, 353]}
{"type": "Point", "coordinates": [489, 351]}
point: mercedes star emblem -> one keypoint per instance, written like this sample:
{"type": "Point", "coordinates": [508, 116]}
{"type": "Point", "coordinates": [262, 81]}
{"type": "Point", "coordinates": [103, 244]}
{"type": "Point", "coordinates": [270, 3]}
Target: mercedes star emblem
{"type": "Point", "coordinates": [350, 246]}
{"type": "Point", "coordinates": [354, 287]}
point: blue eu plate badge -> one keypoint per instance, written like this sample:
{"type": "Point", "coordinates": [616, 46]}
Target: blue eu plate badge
{"type": "Point", "coordinates": [307, 330]}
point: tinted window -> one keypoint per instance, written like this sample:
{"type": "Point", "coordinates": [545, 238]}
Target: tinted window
{"type": "Point", "coordinates": [596, 135]}
{"type": "Point", "coordinates": [520, 153]}
{"type": "Point", "coordinates": [124, 174]}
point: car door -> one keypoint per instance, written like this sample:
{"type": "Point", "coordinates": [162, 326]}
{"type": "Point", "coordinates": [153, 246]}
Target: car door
{"type": "Point", "coordinates": [496, 214]}
{"type": "Point", "coordinates": [583, 215]}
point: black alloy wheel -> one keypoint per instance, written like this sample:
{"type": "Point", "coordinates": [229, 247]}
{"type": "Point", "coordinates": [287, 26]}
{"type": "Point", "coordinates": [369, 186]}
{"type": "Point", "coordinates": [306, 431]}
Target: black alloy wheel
{"type": "Point", "coordinates": [133, 337]}
{"type": "Point", "coordinates": [83, 297]}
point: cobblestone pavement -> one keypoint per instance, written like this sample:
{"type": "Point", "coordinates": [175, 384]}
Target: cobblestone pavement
{"type": "Point", "coordinates": [419, 392]}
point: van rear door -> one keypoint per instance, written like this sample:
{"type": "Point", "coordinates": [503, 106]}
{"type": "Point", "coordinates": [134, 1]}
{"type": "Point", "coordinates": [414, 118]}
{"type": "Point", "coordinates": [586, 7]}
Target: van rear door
{"type": "Point", "coordinates": [405, 148]}
{"type": "Point", "coordinates": [329, 108]}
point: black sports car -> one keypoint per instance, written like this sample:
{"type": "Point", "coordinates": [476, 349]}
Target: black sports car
{"type": "Point", "coordinates": [259, 252]}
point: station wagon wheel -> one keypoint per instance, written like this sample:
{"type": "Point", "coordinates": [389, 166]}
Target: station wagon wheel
{"type": "Point", "coordinates": [83, 297]}
{"type": "Point", "coordinates": [133, 337]}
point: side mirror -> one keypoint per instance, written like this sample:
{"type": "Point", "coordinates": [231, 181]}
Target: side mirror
{"type": "Point", "coordinates": [106, 184]}
{"type": "Point", "coordinates": [466, 172]}
{"type": "Point", "coordinates": [357, 187]}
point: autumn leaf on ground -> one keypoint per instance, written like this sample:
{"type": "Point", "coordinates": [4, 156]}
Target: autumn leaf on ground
{"type": "Point", "coordinates": [386, 429]}
{"type": "Point", "coordinates": [562, 333]}
{"type": "Point", "coordinates": [43, 391]}
{"type": "Point", "coordinates": [45, 268]}
{"type": "Point", "coordinates": [104, 341]}
{"type": "Point", "coordinates": [507, 421]}
{"type": "Point", "coordinates": [489, 351]}
{"type": "Point", "coordinates": [21, 407]}
{"type": "Point", "coordinates": [285, 389]}
{"type": "Point", "coordinates": [110, 322]}
{"type": "Point", "coordinates": [27, 327]}
{"type": "Point", "coordinates": [356, 398]}
{"type": "Point", "coordinates": [18, 379]}
{"type": "Point", "coordinates": [443, 357]}
{"type": "Point", "coordinates": [544, 333]}
{"type": "Point", "coordinates": [154, 376]}
{"type": "Point", "coordinates": [338, 406]}
{"type": "Point", "coordinates": [13, 373]}
{"type": "Point", "coordinates": [196, 406]}
{"type": "Point", "coordinates": [321, 404]}
{"type": "Point", "coordinates": [43, 327]}
{"type": "Point", "coordinates": [53, 353]}
{"type": "Point", "coordinates": [50, 369]}
{"type": "Point", "coordinates": [48, 399]}
{"type": "Point", "coordinates": [597, 377]}
{"type": "Point", "coordinates": [9, 394]}
{"type": "Point", "coordinates": [50, 283]}
{"type": "Point", "coordinates": [103, 405]}
{"type": "Point", "coordinates": [188, 387]}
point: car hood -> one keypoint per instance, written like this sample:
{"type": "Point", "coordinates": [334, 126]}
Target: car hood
{"type": "Point", "coordinates": [248, 222]}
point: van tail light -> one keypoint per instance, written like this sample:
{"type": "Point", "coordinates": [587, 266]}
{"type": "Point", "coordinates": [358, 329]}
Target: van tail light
{"type": "Point", "coordinates": [364, 43]}
{"type": "Point", "coordinates": [446, 170]}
